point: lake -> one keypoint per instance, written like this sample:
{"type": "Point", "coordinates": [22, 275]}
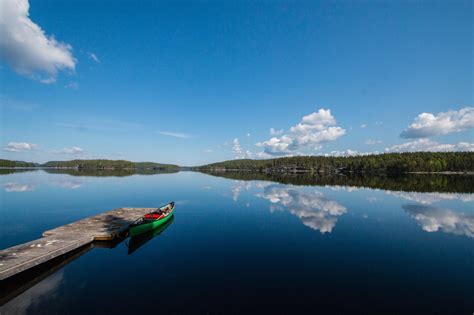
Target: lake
{"type": "Point", "coordinates": [251, 243]}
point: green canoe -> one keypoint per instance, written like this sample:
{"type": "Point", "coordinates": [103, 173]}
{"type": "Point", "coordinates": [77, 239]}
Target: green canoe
{"type": "Point", "coordinates": [152, 220]}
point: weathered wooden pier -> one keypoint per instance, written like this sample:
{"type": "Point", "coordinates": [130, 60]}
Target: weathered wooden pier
{"type": "Point", "coordinates": [106, 226]}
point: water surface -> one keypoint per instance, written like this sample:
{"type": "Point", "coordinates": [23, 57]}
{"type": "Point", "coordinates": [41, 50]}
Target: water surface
{"type": "Point", "coordinates": [252, 243]}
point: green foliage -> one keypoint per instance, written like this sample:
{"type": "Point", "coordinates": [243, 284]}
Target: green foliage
{"type": "Point", "coordinates": [9, 163]}
{"type": "Point", "coordinates": [108, 172]}
{"type": "Point", "coordinates": [91, 164]}
{"type": "Point", "coordinates": [381, 163]}
{"type": "Point", "coordinates": [95, 165]}
{"type": "Point", "coordinates": [156, 166]}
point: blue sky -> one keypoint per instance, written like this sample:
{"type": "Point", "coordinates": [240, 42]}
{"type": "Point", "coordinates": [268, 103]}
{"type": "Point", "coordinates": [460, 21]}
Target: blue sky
{"type": "Point", "coordinates": [197, 82]}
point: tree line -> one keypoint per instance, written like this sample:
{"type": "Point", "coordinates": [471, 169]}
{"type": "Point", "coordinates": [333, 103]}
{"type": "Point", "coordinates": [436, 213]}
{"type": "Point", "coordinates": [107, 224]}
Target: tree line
{"type": "Point", "coordinates": [97, 164]}
{"type": "Point", "coordinates": [380, 163]}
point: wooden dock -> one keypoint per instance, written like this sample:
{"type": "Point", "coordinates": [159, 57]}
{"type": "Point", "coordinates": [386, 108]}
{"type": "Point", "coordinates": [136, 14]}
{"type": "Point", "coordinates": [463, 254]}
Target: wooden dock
{"type": "Point", "coordinates": [103, 227]}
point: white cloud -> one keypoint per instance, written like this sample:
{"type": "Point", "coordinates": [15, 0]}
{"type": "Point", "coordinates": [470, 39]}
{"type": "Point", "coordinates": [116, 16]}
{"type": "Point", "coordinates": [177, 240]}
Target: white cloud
{"type": "Point", "coordinates": [363, 126]}
{"type": "Point", "coordinates": [347, 152]}
{"type": "Point", "coordinates": [277, 146]}
{"type": "Point", "coordinates": [69, 151]}
{"type": "Point", "coordinates": [433, 219]}
{"type": "Point", "coordinates": [312, 132]}
{"type": "Point", "coordinates": [248, 134]}
{"type": "Point", "coordinates": [20, 146]}
{"type": "Point", "coordinates": [430, 145]}
{"type": "Point", "coordinates": [239, 152]}
{"type": "Point", "coordinates": [263, 155]}
{"type": "Point", "coordinates": [275, 132]}
{"type": "Point", "coordinates": [26, 47]}
{"type": "Point", "coordinates": [93, 57]}
{"type": "Point", "coordinates": [427, 124]}
{"type": "Point", "coordinates": [373, 141]}
{"type": "Point", "coordinates": [174, 134]}
{"type": "Point", "coordinates": [208, 150]}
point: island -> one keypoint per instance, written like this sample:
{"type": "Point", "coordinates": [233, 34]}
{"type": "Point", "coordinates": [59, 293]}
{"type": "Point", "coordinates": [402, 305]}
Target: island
{"type": "Point", "coordinates": [92, 165]}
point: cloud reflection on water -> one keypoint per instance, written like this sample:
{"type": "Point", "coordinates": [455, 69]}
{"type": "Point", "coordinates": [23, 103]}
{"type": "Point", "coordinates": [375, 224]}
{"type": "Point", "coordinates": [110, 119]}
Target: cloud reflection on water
{"type": "Point", "coordinates": [33, 296]}
{"type": "Point", "coordinates": [311, 207]}
{"type": "Point", "coordinates": [17, 187]}
{"type": "Point", "coordinates": [236, 189]}
{"type": "Point", "coordinates": [434, 219]}
{"type": "Point", "coordinates": [431, 197]}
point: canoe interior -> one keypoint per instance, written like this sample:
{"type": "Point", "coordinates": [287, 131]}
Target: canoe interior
{"type": "Point", "coordinates": [144, 225]}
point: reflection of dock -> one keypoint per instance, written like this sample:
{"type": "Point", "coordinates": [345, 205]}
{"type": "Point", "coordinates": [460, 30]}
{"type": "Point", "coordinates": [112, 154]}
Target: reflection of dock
{"type": "Point", "coordinates": [19, 283]}
{"type": "Point", "coordinates": [67, 238]}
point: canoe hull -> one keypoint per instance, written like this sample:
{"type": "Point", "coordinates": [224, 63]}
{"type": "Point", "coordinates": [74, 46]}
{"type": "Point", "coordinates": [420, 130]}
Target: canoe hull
{"type": "Point", "coordinates": [142, 228]}
{"type": "Point", "coordinates": [148, 226]}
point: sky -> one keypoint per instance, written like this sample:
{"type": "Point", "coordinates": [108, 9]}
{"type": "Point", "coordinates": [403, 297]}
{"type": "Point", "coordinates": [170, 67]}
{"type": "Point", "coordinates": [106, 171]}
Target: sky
{"type": "Point", "coordinates": [194, 82]}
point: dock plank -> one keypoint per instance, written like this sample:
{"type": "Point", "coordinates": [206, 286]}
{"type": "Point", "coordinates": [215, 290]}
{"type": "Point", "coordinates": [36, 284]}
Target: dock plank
{"type": "Point", "coordinates": [25, 256]}
{"type": "Point", "coordinates": [59, 241]}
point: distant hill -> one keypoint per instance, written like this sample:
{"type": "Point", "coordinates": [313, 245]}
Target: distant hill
{"type": "Point", "coordinates": [380, 163]}
{"type": "Point", "coordinates": [94, 165]}
{"type": "Point", "coordinates": [109, 164]}
{"type": "Point", "coordinates": [155, 166]}
{"type": "Point", "coordinates": [10, 163]}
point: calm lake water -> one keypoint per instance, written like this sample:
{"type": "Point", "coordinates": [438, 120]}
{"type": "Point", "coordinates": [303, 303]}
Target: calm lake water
{"type": "Point", "coordinates": [242, 243]}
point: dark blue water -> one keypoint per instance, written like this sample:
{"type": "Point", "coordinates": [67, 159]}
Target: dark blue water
{"type": "Point", "coordinates": [251, 246]}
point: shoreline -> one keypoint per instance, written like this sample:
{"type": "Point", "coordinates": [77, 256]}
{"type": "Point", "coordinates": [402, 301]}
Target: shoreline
{"type": "Point", "coordinates": [331, 173]}
{"type": "Point", "coordinates": [300, 171]}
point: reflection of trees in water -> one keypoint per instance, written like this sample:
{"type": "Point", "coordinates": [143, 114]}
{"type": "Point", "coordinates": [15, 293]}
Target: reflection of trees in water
{"type": "Point", "coordinates": [407, 182]}
{"type": "Point", "coordinates": [433, 219]}
{"type": "Point", "coordinates": [106, 173]}
{"type": "Point", "coordinates": [313, 209]}
{"type": "Point", "coordinates": [6, 171]}
{"type": "Point", "coordinates": [89, 172]}
{"type": "Point", "coordinates": [33, 296]}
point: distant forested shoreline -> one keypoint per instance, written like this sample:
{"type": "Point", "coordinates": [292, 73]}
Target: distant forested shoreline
{"type": "Point", "coordinates": [389, 163]}
{"type": "Point", "coordinates": [415, 162]}
{"type": "Point", "coordinates": [92, 165]}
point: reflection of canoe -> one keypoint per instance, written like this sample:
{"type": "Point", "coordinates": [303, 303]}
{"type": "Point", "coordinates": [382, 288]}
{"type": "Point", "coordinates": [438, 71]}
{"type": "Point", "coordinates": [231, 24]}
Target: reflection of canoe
{"type": "Point", "coordinates": [138, 241]}
{"type": "Point", "coordinates": [152, 220]}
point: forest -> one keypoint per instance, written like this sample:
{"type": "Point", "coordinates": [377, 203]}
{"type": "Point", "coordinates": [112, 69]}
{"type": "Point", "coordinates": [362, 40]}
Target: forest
{"type": "Point", "coordinates": [10, 163]}
{"type": "Point", "coordinates": [94, 165]}
{"type": "Point", "coordinates": [429, 162]}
